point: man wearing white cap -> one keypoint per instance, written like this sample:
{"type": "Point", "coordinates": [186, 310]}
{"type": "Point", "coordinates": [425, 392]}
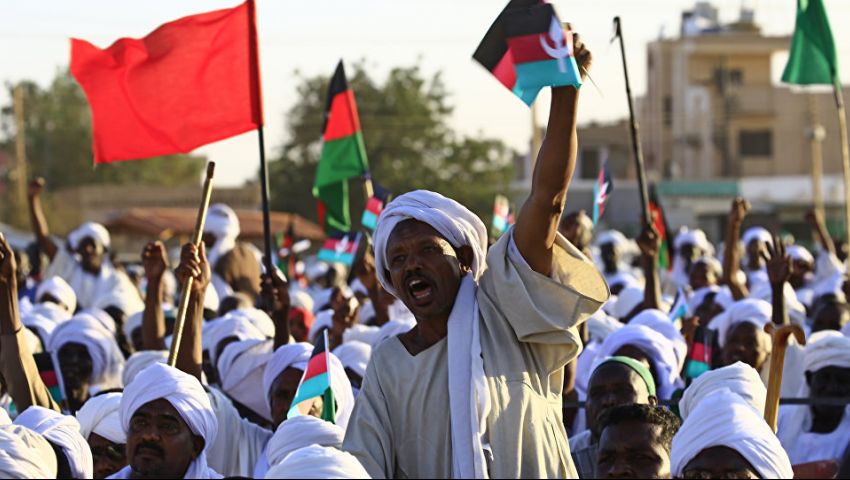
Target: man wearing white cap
{"type": "Point", "coordinates": [453, 396]}
{"type": "Point", "coordinates": [235, 265]}
{"type": "Point", "coordinates": [85, 263]}
{"type": "Point", "coordinates": [100, 425]}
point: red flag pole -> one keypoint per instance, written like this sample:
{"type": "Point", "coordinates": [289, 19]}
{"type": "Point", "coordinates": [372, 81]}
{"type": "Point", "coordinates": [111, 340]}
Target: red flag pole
{"type": "Point", "coordinates": [257, 108]}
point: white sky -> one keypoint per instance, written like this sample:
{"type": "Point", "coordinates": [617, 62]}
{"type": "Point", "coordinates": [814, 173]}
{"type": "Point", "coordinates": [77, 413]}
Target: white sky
{"type": "Point", "coordinates": [442, 34]}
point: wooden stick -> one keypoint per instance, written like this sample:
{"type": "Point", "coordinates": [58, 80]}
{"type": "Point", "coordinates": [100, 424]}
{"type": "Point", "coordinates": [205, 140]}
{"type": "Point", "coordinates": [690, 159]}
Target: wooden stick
{"type": "Point", "coordinates": [177, 337]}
{"type": "Point", "coordinates": [777, 363]}
{"type": "Point", "coordinates": [845, 152]}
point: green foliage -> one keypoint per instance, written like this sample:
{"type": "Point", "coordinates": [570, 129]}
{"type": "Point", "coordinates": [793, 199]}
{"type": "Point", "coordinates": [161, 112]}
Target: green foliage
{"type": "Point", "coordinates": [408, 142]}
{"type": "Point", "coordinates": [58, 142]}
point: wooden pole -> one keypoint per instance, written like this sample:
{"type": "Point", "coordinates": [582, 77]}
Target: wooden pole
{"type": "Point", "coordinates": [196, 240]}
{"type": "Point", "coordinates": [20, 170]}
{"type": "Point", "coordinates": [633, 127]}
{"type": "Point", "coordinates": [777, 363]}
{"type": "Point", "coordinates": [815, 134]}
{"type": "Point", "coordinates": [845, 152]}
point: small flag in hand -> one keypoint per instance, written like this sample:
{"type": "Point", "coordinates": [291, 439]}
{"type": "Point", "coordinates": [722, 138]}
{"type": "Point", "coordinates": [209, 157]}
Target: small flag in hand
{"type": "Point", "coordinates": [501, 214]}
{"type": "Point", "coordinates": [340, 248]}
{"type": "Point", "coordinates": [603, 187]}
{"type": "Point", "coordinates": [680, 306]}
{"type": "Point", "coordinates": [527, 49]}
{"type": "Point", "coordinates": [316, 382]}
{"type": "Point", "coordinates": [659, 221]}
{"type": "Point", "coordinates": [374, 207]}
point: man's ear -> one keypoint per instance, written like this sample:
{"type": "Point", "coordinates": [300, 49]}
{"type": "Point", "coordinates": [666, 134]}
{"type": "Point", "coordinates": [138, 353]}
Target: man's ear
{"type": "Point", "coordinates": [465, 256]}
{"type": "Point", "coordinates": [198, 445]}
{"type": "Point", "coordinates": [652, 400]}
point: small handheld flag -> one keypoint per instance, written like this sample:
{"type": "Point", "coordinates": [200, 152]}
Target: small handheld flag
{"type": "Point", "coordinates": [527, 49]}
{"type": "Point", "coordinates": [501, 214]}
{"type": "Point", "coordinates": [679, 310]}
{"type": "Point", "coordinates": [603, 187]}
{"type": "Point", "coordinates": [374, 207]}
{"type": "Point", "coordinates": [340, 248]}
{"type": "Point", "coordinates": [659, 221]}
{"type": "Point", "coordinates": [316, 382]}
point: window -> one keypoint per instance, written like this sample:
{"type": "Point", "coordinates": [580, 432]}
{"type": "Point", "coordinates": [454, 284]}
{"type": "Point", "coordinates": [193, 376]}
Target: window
{"type": "Point", "coordinates": [755, 143]}
{"type": "Point", "coordinates": [667, 111]}
{"type": "Point", "coordinates": [589, 163]}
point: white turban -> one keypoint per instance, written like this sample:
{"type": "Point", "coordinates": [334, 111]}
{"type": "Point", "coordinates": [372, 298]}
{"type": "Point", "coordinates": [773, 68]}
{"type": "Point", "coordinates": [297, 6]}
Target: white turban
{"type": "Point", "coordinates": [723, 419]}
{"type": "Point", "coordinates": [185, 393]}
{"type": "Point", "coordinates": [224, 224]}
{"type": "Point", "coordinates": [666, 365]}
{"type": "Point", "coordinates": [302, 431]}
{"type": "Point", "coordinates": [722, 297]}
{"type": "Point", "coordinates": [323, 320]}
{"type": "Point", "coordinates": [354, 355]}
{"type": "Point", "coordinates": [214, 331]}
{"type": "Point", "coordinates": [107, 359]}
{"type": "Point", "coordinates": [133, 322]}
{"type": "Point", "coordinates": [105, 320]}
{"type": "Point", "coordinates": [295, 355]}
{"type": "Point", "coordinates": [660, 322]}
{"type": "Point", "coordinates": [363, 334]}
{"type": "Point", "coordinates": [41, 324]}
{"type": "Point", "coordinates": [300, 298]}
{"type": "Point", "coordinates": [25, 454]}
{"type": "Point", "coordinates": [318, 462]}
{"type": "Point", "coordinates": [796, 310]}
{"type": "Point", "coordinates": [740, 378]}
{"type": "Point", "coordinates": [799, 252]}
{"type": "Point", "coordinates": [240, 369]}
{"type": "Point", "coordinates": [101, 415]}
{"type": "Point", "coordinates": [757, 233]}
{"type": "Point", "coordinates": [827, 348]}
{"type": "Point", "coordinates": [749, 310]}
{"type": "Point", "coordinates": [614, 237]}
{"type": "Point", "coordinates": [712, 263]}
{"type": "Point", "coordinates": [695, 237]}
{"type": "Point", "coordinates": [59, 289]}
{"type": "Point", "coordinates": [64, 432]}
{"type": "Point", "coordinates": [257, 317]}
{"type": "Point", "coordinates": [95, 231]}
{"type": "Point", "coordinates": [628, 298]}
{"type": "Point", "coordinates": [141, 360]}
{"type": "Point", "coordinates": [600, 325]}
{"type": "Point", "coordinates": [459, 226]}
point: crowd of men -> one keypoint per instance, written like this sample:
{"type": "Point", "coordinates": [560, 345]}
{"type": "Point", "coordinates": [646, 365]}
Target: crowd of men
{"type": "Point", "coordinates": [552, 351]}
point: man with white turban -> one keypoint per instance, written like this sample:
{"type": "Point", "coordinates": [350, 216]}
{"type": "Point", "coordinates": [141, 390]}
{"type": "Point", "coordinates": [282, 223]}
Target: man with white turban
{"type": "Point", "coordinates": [100, 425]}
{"type": "Point", "coordinates": [235, 265]}
{"type": "Point", "coordinates": [318, 462]}
{"type": "Point", "coordinates": [725, 437]}
{"type": "Point", "coordinates": [303, 431]}
{"type": "Point", "coordinates": [55, 290]}
{"type": "Point", "coordinates": [741, 335]}
{"type": "Point", "coordinates": [25, 454]}
{"type": "Point", "coordinates": [819, 432]}
{"type": "Point", "coordinates": [690, 246]}
{"type": "Point", "coordinates": [453, 396]}
{"type": "Point", "coordinates": [87, 358]}
{"type": "Point", "coordinates": [240, 369]}
{"type": "Point", "coordinates": [84, 262]}
{"type": "Point", "coordinates": [740, 378]}
{"type": "Point", "coordinates": [169, 423]}
{"type": "Point", "coordinates": [354, 357]}
{"type": "Point", "coordinates": [62, 431]}
{"type": "Point", "coordinates": [653, 349]}
{"type": "Point", "coordinates": [756, 241]}
{"type": "Point", "coordinates": [613, 248]}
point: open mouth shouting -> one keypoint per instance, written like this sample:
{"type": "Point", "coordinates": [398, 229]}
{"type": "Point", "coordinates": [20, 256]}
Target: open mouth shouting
{"type": "Point", "coordinates": [420, 290]}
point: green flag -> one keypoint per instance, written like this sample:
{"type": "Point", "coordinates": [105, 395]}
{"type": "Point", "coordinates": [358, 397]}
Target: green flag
{"type": "Point", "coordinates": [813, 59]}
{"type": "Point", "coordinates": [343, 155]}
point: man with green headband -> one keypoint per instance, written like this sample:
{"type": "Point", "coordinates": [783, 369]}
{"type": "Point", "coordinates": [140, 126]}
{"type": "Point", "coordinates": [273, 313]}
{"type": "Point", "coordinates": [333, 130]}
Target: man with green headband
{"type": "Point", "coordinates": [615, 381]}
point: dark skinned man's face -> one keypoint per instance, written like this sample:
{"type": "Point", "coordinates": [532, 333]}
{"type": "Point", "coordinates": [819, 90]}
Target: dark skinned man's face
{"type": "Point", "coordinates": [830, 316]}
{"type": "Point", "coordinates": [746, 343]}
{"type": "Point", "coordinates": [754, 250]}
{"type": "Point", "coordinates": [632, 449]}
{"type": "Point", "coordinates": [719, 462]}
{"type": "Point", "coordinates": [76, 366]}
{"type": "Point", "coordinates": [282, 392]}
{"type": "Point", "coordinates": [91, 255]}
{"type": "Point", "coordinates": [612, 385]}
{"type": "Point", "coordinates": [689, 252]}
{"type": "Point", "coordinates": [800, 270]}
{"type": "Point", "coordinates": [829, 382]}
{"type": "Point", "coordinates": [109, 457]}
{"type": "Point", "coordinates": [425, 269]}
{"type": "Point", "coordinates": [159, 443]}
{"type": "Point", "coordinates": [610, 257]}
{"type": "Point", "coordinates": [209, 240]}
{"type": "Point", "coordinates": [297, 326]}
{"type": "Point", "coordinates": [702, 276]}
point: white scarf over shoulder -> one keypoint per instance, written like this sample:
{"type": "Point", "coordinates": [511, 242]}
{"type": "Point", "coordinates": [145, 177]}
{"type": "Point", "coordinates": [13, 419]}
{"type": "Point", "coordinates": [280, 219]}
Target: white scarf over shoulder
{"type": "Point", "coordinates": [64, 432]}
{"type": "Point", "coordinates": [468, 394]}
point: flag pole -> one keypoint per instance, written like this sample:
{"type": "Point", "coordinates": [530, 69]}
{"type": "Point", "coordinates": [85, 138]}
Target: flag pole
{"type": "Point", "coordinates": [845, 150]}
{"type": "Point", "coordinates": [196, 240]}
{"type": "Point", "coordinates": [633, 127]}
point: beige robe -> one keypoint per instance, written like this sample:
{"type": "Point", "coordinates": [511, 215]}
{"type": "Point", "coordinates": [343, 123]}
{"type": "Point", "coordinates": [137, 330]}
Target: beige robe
{"type": "Point", "coordinates": [400, 426]}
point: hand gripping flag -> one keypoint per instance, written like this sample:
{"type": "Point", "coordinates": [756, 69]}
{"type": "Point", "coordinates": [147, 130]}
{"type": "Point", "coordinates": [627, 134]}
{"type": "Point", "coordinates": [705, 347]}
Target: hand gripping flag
{"type": "Point", "coordinates": [340, 248]}
{"type": "Point", "coordinates": [343, 155]}
{"type": "Point", "coordinates": [527, 49]}
{"type": "Point", "coordinates": [601, 190]}
{"type": "Point", "coordinates": [190, 82]}
{"type": "Point", "coordinates": [316, 382]}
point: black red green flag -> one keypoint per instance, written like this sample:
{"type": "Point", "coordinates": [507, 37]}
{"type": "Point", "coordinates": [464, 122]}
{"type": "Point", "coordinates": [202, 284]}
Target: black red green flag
{"type": "Point", "coordinates": [316, 382]}
{"type": "Point", "coordinates": [659, 221]}
{"type": "Point", "coordinates": [343, 155]}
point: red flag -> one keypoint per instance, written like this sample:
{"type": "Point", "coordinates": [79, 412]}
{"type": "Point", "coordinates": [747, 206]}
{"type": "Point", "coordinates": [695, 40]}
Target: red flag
{"type": "Point", "coordinates": [190, 82]}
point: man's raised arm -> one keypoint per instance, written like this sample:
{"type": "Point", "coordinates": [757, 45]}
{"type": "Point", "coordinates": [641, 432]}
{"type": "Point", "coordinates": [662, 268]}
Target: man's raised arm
{"type": "Point", "coordinates": [37, 220]}
{"type": "Point", "coordinates": [537, 224]}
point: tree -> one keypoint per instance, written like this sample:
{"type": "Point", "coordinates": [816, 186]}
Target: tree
{"type": "Point", "coordinates": [408, 142]}
{"type": "Point", "coordinates": [58, 142]}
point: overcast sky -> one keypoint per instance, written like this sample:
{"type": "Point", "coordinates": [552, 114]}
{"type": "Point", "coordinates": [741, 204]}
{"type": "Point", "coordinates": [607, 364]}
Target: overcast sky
{"type": "Point", "coordinates": [440, 34]}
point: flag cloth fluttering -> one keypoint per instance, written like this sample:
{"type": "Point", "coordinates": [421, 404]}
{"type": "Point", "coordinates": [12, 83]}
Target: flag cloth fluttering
{"type": "Point", "coordinates": [679, 310]}
{"type": "Point", "coordinates": [343, 155]}
{"type": "Point", "coordinates": [659, 221]}
{"type": "Point", "coordinates": [188, 83]}
{"type": "Point", "coordinates": [316, 382]}
{"type": "Point", "coordinates": [501, 214]}
{"type": "Point", "coordinates": [527, 48]}
{"type": "Point", "coordinates": [340, 248]}
{"type": "Point", "coordinates": [813, 59]}
{"type": "Point", "coordinates": [601, 190]}
{"type": "Point", "coordinates": [374, 207]}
